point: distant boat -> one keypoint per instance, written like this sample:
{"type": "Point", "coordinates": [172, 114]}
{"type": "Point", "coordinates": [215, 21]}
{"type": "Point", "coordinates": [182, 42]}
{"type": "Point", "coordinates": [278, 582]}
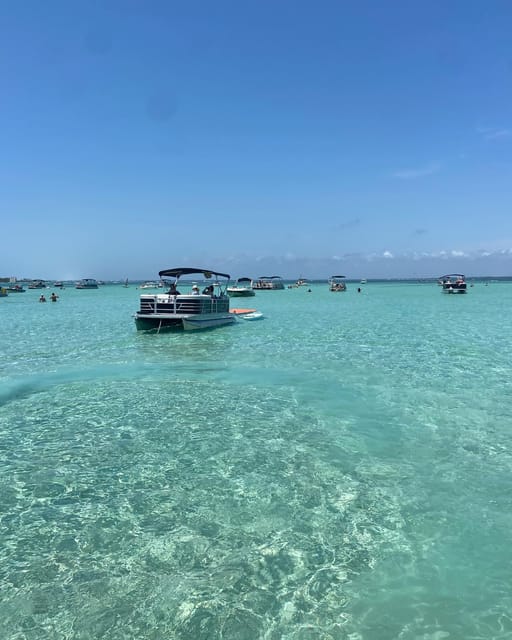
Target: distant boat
{"type": "Point", "coordinates": [301, 282]}
{"type": "Point", "coordinates": [363, 281]}
{"type": "Point", "coordinates": [268, 283]}
{"type": "Point", "coordinates": [37, 284]}
{"type": "Point", "coordinates": [126, 283]}
{"type": "Point", "coordinates": [241, 289]}
{"type": "Point", "coordinates": [337, 283]}
{"type": "Point", "coordinates": [453, 283]}
{"type": "Point", "coordinates": [13, 286]}
{"type": "Point", "coordinates": [87, 283]}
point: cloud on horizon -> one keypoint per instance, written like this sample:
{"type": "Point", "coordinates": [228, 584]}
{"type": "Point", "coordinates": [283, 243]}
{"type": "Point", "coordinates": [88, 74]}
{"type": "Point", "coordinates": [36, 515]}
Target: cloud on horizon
{"type": "Point", "coordinates": [383, 264]}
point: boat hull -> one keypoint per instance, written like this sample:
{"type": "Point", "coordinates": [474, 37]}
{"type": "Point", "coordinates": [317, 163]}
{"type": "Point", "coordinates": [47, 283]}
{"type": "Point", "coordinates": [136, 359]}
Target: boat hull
{"type": "Point", "coordinates": [163, 312]}
{"type": "Point", "coordinates": [195, 323]}
{"type": "Point", "coordinates": [159, 323]}
{"type": "Point", "coordinates": [452, 290]}
{"type": "Point", "coordinates": [240, 293]}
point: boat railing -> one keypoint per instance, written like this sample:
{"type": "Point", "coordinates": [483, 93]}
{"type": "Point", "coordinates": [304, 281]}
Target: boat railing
{"type": "Point", "coordinates": [183, 305]}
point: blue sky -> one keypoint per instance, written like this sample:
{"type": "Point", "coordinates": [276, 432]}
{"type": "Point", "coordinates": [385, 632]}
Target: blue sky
{"type": "Point", "coordinates": [367, 138]}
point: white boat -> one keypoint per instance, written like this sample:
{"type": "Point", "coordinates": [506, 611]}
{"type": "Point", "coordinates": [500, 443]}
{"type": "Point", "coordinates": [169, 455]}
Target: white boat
{"type": "Point", "coordinates": [337, 283]}
{"type": "Point", "coordinates": [364, 281]}
{"type": "Point", "coordinates": [453, 283]}
{"type": "Point", "coordinates": [301, 282]}
{"type": "Point", "coordinates": [241, 289]}
{"type": "Point", "coordinates": [268, 283]}
{"type": "Point", "coordinates": [87, 283]}
{"type": "Point", "coordinates": [190, 311]}
{"type": "Point", "coordinates": [151, 285]}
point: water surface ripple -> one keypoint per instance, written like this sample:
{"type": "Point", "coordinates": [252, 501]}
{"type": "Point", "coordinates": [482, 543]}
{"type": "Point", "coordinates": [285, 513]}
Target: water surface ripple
{"type": "Point", "coordinates": [339, 469]}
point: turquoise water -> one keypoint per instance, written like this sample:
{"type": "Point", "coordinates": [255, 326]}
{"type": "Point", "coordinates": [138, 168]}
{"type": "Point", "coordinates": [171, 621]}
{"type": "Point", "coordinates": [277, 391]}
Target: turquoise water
{"type": "Point", "coordinates": [339, 469]}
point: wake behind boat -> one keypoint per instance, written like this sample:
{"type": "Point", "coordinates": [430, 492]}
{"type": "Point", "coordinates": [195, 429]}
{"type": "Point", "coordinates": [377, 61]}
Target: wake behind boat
{"type": "Point", "coordinates": [190, 311]}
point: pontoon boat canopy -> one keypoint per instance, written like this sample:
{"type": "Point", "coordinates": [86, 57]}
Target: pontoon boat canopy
{"type": "Point", "coordinates": [180, 271]}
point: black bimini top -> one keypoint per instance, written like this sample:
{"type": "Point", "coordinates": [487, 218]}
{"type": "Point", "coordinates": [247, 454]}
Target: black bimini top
{"type": "Point", "coordinates": [182, 271]}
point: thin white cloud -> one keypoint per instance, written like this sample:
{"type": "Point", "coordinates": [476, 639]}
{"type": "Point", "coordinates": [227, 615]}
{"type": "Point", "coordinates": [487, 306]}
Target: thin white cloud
{"type": "Point", "coordinates": [387, 254]}
{"type": "Point", "coordinates": [421, 172]}
{"type": "Point", "coordinates": [493, 133]}
{"type": "Point", "coordinates": [501, 133]}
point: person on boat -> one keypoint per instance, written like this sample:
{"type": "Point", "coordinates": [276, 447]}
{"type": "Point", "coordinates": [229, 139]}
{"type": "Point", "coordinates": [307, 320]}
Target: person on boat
{"type": "Point", "coordinates": [208, 291]}
{"type": "Point", "coordinates": [54, 297]}
{"type": "Point", "coordinates": [173, 291]}
{"type": "Point", "coordinates": [42, 298]}
{"type": "Point", "coordinates": [195, 290]}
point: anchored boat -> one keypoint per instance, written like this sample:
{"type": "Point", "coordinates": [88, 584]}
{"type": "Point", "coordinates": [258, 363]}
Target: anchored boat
{"type": "Point", "coordinates": [453, 283]}
{"type": "Point", "coordinates": [87, 283]}
{"type": "Point", "coordinates": [337, 283]}
{"type": "Point", "coordinates": [268, 283]}
{"type": "Point", "coordinates": [192, 310]}
{"type": "Point", "coordinates": [241, 289]}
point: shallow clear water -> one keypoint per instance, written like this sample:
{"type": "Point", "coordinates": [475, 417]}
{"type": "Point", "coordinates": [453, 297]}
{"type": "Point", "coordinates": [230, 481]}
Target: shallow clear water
{"type": "Point", "coordinates": [339, 469]}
